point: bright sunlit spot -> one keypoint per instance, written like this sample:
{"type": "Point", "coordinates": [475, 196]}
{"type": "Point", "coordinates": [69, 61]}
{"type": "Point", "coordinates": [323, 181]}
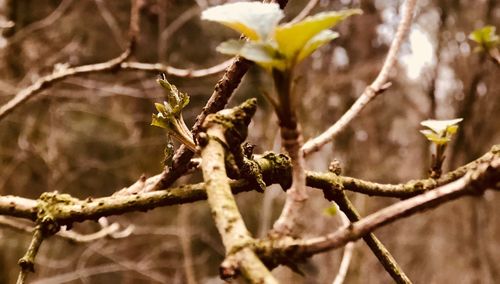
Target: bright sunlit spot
{"type": "Point", "coordinates": [421, 54]}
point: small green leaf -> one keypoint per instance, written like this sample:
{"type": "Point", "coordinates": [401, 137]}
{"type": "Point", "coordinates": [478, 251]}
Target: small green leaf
{"type": "Point", "coordinates": [176, 100]}
{"type": "Point", "coordinates": [440, 131]}
{"type": "Point", "coordinates": [231, 47]}
{"type": "Point", "coordinates": [291, 38]}
{"type": "Point", "coordinates": [331, 211]}
{"type": "Point", "coordinates": [452, 129]}
{"type": "Point", "coordinates": [261, 53]}
{"type": "Point", "coordinates": [159, 121]}
{"type": "Point", "coordinates": [160, 108]}
{"type": "Point", "coordinates": [253, 19]}
{"type": "Point", "coordinates": [316, 42]}
{"type": "Point", "coordinates": [440, 126]}
{"type": "Point", "coordinates": [433, 137]}
{"type": "Point", "coordinates": [428, 133]}
{"type": "Point", "coordinates": [165, 84]}
{"type": "Point", "coordinates": [486, 37]}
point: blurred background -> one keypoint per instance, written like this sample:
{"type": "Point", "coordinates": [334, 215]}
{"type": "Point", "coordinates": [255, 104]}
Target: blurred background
{"type": "Point", "coordinates": [91, 136]}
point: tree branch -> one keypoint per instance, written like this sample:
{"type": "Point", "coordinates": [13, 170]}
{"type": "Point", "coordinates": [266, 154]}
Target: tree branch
{"type": "Point", "coordinates": [111, 231]}
{"type": "Point", "coordinates": [218, 100]}
{"type": "Point", "coordinates": [18, 207]}
{"type": "Point", "coordinates": [403, 190]}
{"type": "Point", "coordinates": [376, 246]}
{"type": "Point", "coordinates": [27, 262]}
{"type": "Point", "coordinates": [379, 85]}
{"type": "Point", "coordinates": [274, 169]}
{"type": "Point", "coordinates": [67, 209]}
{"type": "Point", "coordinates": [178, 72]}
{"type": "Point", "coordinates": [63, 73]}
{"type": "Point", "coordinates": [486, 175]}
{"type": "Point", "coordinates": [223, 91]}
{"type": "Point", "coordinates": [235, 236]}
{"type": "Point", "coordinates": [58, 75]}
{"type": "Point", "coordinates": [346, 257]}
{"type": "Point", "coordinates": [114, 64]}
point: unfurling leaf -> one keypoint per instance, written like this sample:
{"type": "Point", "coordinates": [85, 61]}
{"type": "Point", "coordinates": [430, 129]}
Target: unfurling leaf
{"type": "Point", "coordinates": [253, 19]}
{"type": "Point", "coordinates": [293, 37]}
{"type": "Point", "coordinates": [261, 53]}
{"type": "Point", "coordinates": [160, 107]}
{"type": "Point", "coordinates": [316, 42]}
{"type": "Point", "coordinates": [270, 45]}
{"type": "Point", "coordinates": [431, 136]}
{"type": "Point", "coordinates": [486, 37]}
{"type": "Point", "coordinates": [440, 131]}
{"type": "Point", "coordinates": [159, 121]}
{"type": "Point", "coordinates": [176, 100]}
{"type": "Point", "coordinates": [439, 126]}
{"type": "Point", "coordinates": [169, 114]}
{"type": "Point", "coordinates": [452, 129]}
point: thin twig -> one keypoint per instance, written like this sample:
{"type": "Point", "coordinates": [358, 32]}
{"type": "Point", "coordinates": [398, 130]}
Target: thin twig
{"type": "Point", "coordinates": [111, 22]}
{"type": "Point", "coordinates": [379, 85]}
{"type": "Point", "coordinates": [112, 231]}
{"type": "Point", "coordinates": [305, 11]}
{"type": "Point", "coordinates": [173, 71]}
{"type": "Point", "coordinates": [45, 22]}
{"type": "Point", "coordinates": [58, 75]}
{"type": "Point", "coordinates": [378, 249]}
{"type": "Point", "coordinates": [494, 56]}
{"type": "Point", "coordinates": [402, 190]}
{"type": "Point", "coordinates": [27, 262]}
{"type": "Point", "coordinates": [174, 26]}
{"type": "Point", "coordinates": [346, 255]}
{"type": "Point", "coordinates": [345, 263]}
{"type": "Point", "coordinates": [62, 73]}
{"type": "Point", "coordinates": [106, 231]}
{"type": "Point", "coordinates": [111, 65]}
{"type": "Point", "coordinates": [185, 241]}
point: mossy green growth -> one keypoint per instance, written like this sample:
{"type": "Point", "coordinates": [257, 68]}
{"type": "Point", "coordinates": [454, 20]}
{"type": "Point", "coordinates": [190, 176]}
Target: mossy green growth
{"type": "Point", "coordinates": [49, 209]}
{"type": "Point", "coordinates": [276, 168]}
{"type": "Point", "coordinates": [235, 121]}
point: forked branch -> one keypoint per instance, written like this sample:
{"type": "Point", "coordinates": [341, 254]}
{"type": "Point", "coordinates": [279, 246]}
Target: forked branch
{"type": "Point", "coordinates": [486, 175]}
{"type": "Point", "coordinates": [235, 236]}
